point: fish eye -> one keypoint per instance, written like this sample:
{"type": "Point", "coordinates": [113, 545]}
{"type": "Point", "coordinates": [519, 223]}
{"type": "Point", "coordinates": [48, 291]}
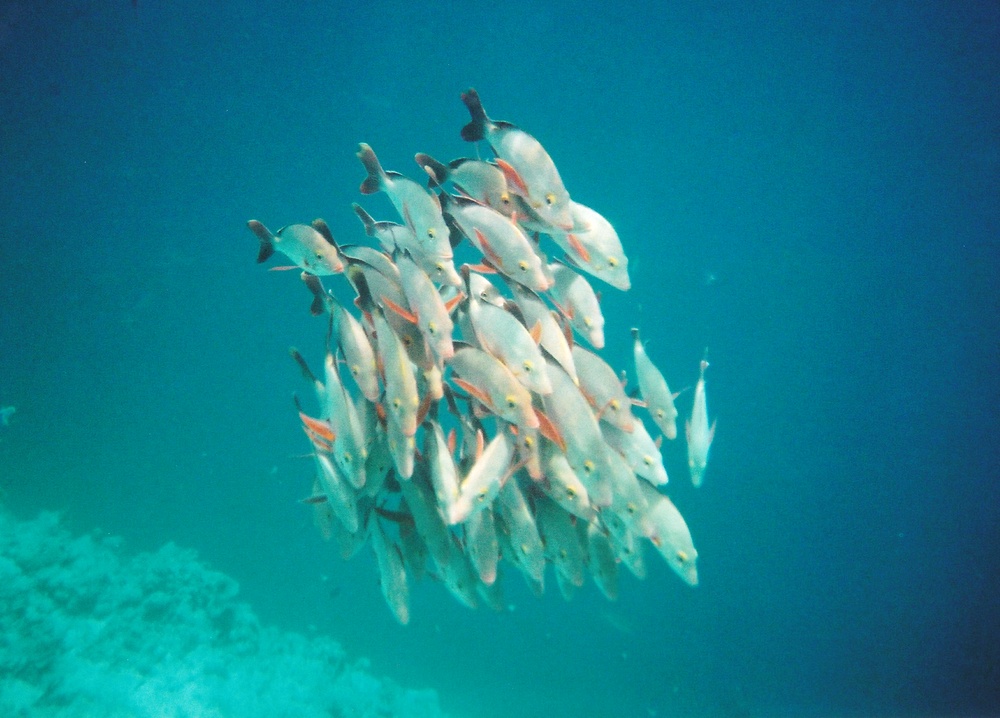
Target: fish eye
{"type": "Point", "coordinates": [630, 507]}
{"type": "Point", "coordinates": [439, 267]}
{"type": "Point", "coordinates": [682, 556]}
{"type": "Point", "coordinates": [529, 441]}
{"type": "Point", "coordinates": [524, 549]}
{"type": "Point", "coordinates": [432, 327]}
{"type": "Point", "coordinates": [613, 261]}
{"type": "Point", "coordinates": [511, 402]}
{"type": "Point", "coordinates": [614, 404]}
{"type": "Point", "coordinates": [660, 413]}
{"type": "Point", "coordinates": [528, 365]}
{"type": "Point", "coordinates": [588, 466]}
{"type": "Point", "coordinates": [396, 403]}
{"type": "Point", "coordinates": [647, 460]}
{"type": "Point", "coordinates": [523, 265]}
{"type": "Point", "coordinates": [319, 255]}
{"type": "Point", "coordinates": [550, 198]}
{"type": "Point", "coordinates": [505, 198]}
{"type": "Point", "coordinates": [571, 492]}
{"type": "Point", "coordinates": [587, 321]}
{"type": "Point", "coordinates": [563, 553]}
{"type": "Point", "coordinates": [430, 232]}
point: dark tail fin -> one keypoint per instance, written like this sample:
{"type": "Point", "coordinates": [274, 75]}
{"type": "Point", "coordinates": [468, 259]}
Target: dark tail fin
{"type": "Point", "coordinates": [266, 240]}
{"type": "Point", "coordinates": [373, 182]}
{"type": "Point", "coordinates": [437, 171]}
{"type": "Point", "coordinates": [475, 130]}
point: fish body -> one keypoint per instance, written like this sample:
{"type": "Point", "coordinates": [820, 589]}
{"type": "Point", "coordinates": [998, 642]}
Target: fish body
{"type": "Point", "coordinates": [420, 209]}
{"type": "Point", "coordinates": [484, 480]}
{"type": "Point", "coordinates": [392, 237]}
{"type": "Point", "coordinates": [654, 390]}
{"type": "Point", "coordinates": [528, 553]}
{"type": "Point", "coordinates": [669, 533]}
{"type": "Point", "coordinates": [601, 561]}
{"type": "Point", "coordinates": [562, 484]}
{"type": "Point", "coordinates": [595, 247]}
{"type": "Point", "coordinates": [699, 435]}
{"type": "Point", "coordinates": [493, 385]}
{"type": "Point", "coordinates": [640, 451]}
{"type": "Point", "coordinates": [501, 241]}
{"type": "Point", "coordinates": [600, 384]}
{"type": "Point", "coordinates": [349, 450]}
{"type": "Point", "coordinates": [482, 545]}
{"type": "Point", "coordinates": [392, 574]}
{"type": "Point", "coordinates": [578, 302]}
{"type": "Point", "coordinates": [562, 542]}
{"type": "Point", "coordinates": [500, 333]}
{"type": "Point", "coordinates": [570, 413]}
{"type": "Point", "coordinates": [551, 338]}
{"type": "Point", "coordinates": [302, 244]}
{"type": "Point", "coordinates": [529, 163]}
{"type": "Point", "coordinates": [482, 181]}
{"type": "Point", "coordinates": [359, 356]}
{"type": "Point", "coordinates": [440, 466]}
{"type": "Point", "coordinates": [338, 491]}
{"type": "Point", "coordinates": [429, 310]}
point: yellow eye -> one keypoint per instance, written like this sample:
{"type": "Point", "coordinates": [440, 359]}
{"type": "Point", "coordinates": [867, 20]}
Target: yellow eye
{"type": "Point", "coordinates": [430, 232]}
{"type": "Point", "coordinates": [439, 267]}
{"type": "Point", "coordinates": [505, 198]}
{"type": "Point", "coordinates": [571, 492]}
{"type": "Point", "coordinates": [587, 321]}
{"type": "Point", "coordinates": [647, 460]}
{"type": "Point", "coordinates": [529, 366]}
{"type": "Point", "coordinates": [630, 507]}
{"type": "Point", "coordinates": [614, 405]}
{"type": "Point", "coordinates": [682, 557]}
{"type": "Point", "coordinates": [588, 466]}
{"type": "Point", "coordinates": [431, 327]}
{"type": "Point", "coordinates": [523, 265]}
{"type": "Point", "coordinates": [612, 261]}
{"type": "Point", "coordinates": [511, 402]}
{"type": "Point", "coordinates": [550, 199]}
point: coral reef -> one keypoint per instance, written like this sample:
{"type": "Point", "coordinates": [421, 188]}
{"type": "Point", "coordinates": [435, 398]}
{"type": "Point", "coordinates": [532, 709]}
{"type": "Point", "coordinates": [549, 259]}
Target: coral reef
{"type": "Point", "coordinates": [87, 630]}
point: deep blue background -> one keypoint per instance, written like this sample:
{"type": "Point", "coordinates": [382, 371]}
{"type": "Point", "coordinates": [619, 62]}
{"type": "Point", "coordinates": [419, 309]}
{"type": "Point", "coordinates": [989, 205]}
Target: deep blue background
{"type": "Point", "coordinates": [835, 169]}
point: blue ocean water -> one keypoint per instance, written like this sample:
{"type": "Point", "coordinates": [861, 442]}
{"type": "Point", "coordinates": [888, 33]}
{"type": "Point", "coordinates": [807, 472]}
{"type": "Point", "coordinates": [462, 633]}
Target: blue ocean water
{"type": "Point", "coordinates": [812, 192]}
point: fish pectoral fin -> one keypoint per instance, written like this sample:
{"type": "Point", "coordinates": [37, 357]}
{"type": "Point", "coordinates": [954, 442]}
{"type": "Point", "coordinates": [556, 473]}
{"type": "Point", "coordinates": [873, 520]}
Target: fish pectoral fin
{"type": "Point", "coordinates": [284, 268]}
{"type": "Point", "coordinates": [454, 302]}
{"type": "Point", "coordinates": [472, 390]}
{"type": "Point", "coordinates": [536, 332]}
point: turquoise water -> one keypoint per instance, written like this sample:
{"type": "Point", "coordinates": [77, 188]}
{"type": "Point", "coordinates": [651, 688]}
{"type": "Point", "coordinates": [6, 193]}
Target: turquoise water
{"type": "Point", "coordinates": [812, 193]}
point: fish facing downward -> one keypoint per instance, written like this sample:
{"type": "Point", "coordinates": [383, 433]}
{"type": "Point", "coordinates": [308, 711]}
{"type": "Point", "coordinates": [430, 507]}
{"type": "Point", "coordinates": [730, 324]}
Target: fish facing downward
{"type": "Point", "coordinates": [302, 244]}
{"type": "Point", "coordinates": [699, 435]}
{"type": "Point", "coordinates": [524, 161]}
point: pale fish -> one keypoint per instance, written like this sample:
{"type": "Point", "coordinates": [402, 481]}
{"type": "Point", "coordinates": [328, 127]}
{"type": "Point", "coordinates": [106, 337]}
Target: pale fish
{"type": "Point", "coordinates": [392, 575]}
{"type": "Point", "coordinates": [420, 209]}
{"type": "Point", "coordinates": [595, 247]}
{"type": "Point", "coordinates": [562, 542]}
{"type": "Point", "coordinates": [482, 181]}
{"type": "Point", "coordinates": [339, 493]}
{"type": "Point", "coordinates": [481, 544]}
{"type": "Point", "coordinates": [483, 481]}
{"type": "Point", "coordinates": [585, 449]}
{"type": "Point", "coordinates": [602, 387]}
{"type": "Point", "coordinates": [427, 519]}
{"type": "Point", "coordinates": [601, 561]}
{"type": "Point", "coordinates": [654, 390]}
{"type": "Point", "coordinates": [699, 435]}
{"type": "Point", "coordinates": [577, 301]}
{"type": "Point", "coordinates": [440, 466]}
{"type": "Point", "coordinates": [492, 384]}
{"type": "Point", "coordinates": [671, 536]}
{"type": "Point", "coordinates": [525, 161]}
{"type": "Point", "coordinates": [426, 308]}
{"type": "Point", "coordinates": [302, 244]}
{"type": "Point", "coordinates": [527, 553]}
{"type": "Point", "coordinates": [500, 240]}
{"type": "Point", "coordinates": [500, 333]}
{"type": "Point", "coordinates": [562, 484]}
{"type": "Point", "coordinates": [392, 236]}
{"type": "Point", "coordinates": [552, 338]}
{"type": "Point", "coordinates": [640, 451]}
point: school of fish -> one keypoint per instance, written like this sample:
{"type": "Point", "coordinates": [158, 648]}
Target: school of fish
{"type": "Point", "coordinates": [479, 422]}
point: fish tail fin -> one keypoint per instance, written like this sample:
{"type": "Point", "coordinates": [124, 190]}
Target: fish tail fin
{"type": "Point", "coordinates": [373, 182]}
{"type": "Point", "coordinates": [321, 300]}
{"type": "Point", "coordinates": [476, 129]}
{"type": "Point", "coordinates": [366, 219]}
{"type": "Point", "coordinates": [266, 240]}
{"type": "Point", "coordinates": [436, 171]}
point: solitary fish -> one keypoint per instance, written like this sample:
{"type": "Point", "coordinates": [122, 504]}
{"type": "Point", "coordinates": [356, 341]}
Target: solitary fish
{"type": "Point", "coordinates": [699, 435]}
{"type": "Point", "coordinates": [524, 160]}
{"type": "Point", "coordinates": [302, 244]}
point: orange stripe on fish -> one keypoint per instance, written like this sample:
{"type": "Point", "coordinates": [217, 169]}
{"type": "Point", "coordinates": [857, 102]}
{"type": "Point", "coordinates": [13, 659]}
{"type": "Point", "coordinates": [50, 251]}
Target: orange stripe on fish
{"type": "Point", "coordinates": [318, 427]}
{"type": "Point", "coordinates": [404, 313]}
{"type": "Point", "coordinates": [453, 302]}
{"type": "Point", "coordinates": [488, 250]}
{"type": "Point", "coordinates": [472, 389]}
{"type": "Point", "coordinates": [574, 242]}
{"type": "Point", "coordinates": [549, 430]}
{"type": "Point", "coordinates": [512, 176]}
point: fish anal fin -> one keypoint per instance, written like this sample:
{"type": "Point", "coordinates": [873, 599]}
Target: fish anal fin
{"type": "Point", "coordinates": [536, 332]}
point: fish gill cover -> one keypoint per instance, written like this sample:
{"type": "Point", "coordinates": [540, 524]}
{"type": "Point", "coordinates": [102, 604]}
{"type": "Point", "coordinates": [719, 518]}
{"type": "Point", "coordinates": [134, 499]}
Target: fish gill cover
{"type": "Point", "coordinates": [476, 425]}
